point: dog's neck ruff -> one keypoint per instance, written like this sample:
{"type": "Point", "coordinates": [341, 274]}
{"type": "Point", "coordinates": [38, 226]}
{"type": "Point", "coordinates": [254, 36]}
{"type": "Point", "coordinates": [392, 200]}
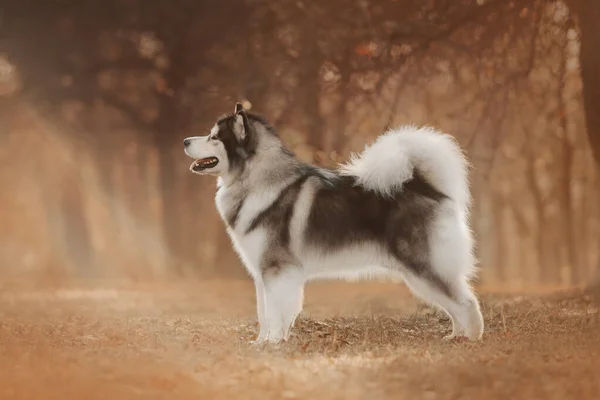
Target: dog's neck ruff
{"type": "Point", "coordinates": [267, 168]}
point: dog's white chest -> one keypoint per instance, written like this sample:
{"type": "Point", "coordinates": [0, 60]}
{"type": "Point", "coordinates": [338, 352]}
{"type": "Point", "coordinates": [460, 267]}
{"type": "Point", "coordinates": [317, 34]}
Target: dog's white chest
{"type": "Point", "coordinates": [250, 246]}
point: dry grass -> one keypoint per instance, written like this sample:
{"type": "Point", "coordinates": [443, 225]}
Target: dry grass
{"type": "Point", "coordinates": [354, 341]}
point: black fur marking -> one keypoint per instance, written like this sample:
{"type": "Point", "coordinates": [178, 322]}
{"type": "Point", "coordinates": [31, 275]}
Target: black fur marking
{"type": "Point", "coordinates": [344, 213]}
{"type": "Point", "coordinates": [327, 177]}
{"type": "Point", "coordinates": [420, 186]}
{"type": "Point", "coordinates": [234, 213]}
{"type": "Point", "coordinates": [276, 218]}
{"type": "Point", "coordinates": [238, 152]}
{"type": "Point", "coordinates": [279, 214]}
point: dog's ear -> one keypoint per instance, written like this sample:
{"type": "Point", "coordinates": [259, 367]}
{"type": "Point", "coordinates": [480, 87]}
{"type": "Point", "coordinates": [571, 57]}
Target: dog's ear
{"type": "Point", "coordinates": [239, 108]}
{"type": "Point", "coordinates": [241, 125]}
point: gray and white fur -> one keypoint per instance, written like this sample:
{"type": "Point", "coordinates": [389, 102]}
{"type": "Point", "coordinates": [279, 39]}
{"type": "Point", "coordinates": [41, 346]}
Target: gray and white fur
{"type": "Point", "coordinates": [399, 209]}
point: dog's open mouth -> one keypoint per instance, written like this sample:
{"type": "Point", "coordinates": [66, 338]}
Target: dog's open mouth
{"type": "Point", "coordinates": [204, 163]}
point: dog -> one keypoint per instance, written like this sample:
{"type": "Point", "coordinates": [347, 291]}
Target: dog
{"type": "Point", "coordinates": [399, 209]}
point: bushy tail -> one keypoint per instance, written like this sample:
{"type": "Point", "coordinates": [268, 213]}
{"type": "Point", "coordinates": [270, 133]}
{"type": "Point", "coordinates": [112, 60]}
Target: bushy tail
{"type": "Point", "coordinates": [391, 160]}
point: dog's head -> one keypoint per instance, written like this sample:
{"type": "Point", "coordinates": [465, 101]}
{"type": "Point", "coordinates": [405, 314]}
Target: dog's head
{"type": "Point", "coordinates": [231, 143]}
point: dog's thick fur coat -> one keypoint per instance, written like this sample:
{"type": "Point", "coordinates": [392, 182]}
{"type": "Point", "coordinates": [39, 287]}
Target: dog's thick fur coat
{"type": "Point", "coordinates": [399, 209]}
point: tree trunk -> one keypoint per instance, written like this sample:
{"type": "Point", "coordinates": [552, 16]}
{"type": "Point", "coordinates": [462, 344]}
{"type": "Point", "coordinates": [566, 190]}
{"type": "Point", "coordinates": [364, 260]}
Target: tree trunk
{"type": "Point", "coordinates": [170, 128]}
{"type": "Point", "coordinates": [588, 15]}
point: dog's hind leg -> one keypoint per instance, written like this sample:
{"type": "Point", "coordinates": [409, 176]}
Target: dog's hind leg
{"type": "Point", "coordinates": [450, 264]}
{"type": "Point", "coordinates": [284, 295]}
{"type": "Point", "coordinates": [456, 298]}
{"type": "Point", "coordinates": [457, 330]}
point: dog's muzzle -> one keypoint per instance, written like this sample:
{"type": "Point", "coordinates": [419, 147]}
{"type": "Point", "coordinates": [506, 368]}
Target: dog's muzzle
{"type": "Point", "coordinates": [200, 164]}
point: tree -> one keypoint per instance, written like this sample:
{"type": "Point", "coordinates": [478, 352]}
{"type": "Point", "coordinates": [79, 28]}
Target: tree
{"type": "Point", "coordinates": [588, 15]}
{"type": "Point", "coordinates": [329, 75]}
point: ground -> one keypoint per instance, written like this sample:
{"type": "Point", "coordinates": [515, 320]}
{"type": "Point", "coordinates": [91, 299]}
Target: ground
{"type": "Point", "coordinates": [353, 341]}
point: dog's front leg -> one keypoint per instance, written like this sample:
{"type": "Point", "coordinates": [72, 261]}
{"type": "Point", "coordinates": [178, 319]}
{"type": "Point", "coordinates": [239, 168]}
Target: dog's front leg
{"type": "Point", "coordinates": [284, 295]}
{"type": "Point", "coordinates": [260, 311]}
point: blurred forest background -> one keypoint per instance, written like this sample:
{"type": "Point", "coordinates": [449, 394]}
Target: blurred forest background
{"type": "Point", "coordinates": [96, 97]}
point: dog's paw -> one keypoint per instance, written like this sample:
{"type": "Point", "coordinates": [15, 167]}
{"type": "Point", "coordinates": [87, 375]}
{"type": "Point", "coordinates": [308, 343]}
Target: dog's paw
{"type": "Point", "coordinates": [275, 340]}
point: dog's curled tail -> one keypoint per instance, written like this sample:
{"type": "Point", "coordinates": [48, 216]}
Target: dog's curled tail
{"type": "Point", "coordinates": [392, 159]}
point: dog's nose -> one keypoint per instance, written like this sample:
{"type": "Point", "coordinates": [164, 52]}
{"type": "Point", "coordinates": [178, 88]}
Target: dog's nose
{"type": "Point", "coordinates": [186, 142]}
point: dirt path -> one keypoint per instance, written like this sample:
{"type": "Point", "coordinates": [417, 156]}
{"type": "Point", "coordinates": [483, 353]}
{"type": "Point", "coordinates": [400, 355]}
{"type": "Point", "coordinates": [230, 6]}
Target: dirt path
{"type": "Point", "coordinates": [354, 341]}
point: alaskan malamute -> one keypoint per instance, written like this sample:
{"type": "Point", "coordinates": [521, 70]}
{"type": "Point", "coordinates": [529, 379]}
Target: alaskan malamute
{"type": "Point", "coordinates": [400, 208]}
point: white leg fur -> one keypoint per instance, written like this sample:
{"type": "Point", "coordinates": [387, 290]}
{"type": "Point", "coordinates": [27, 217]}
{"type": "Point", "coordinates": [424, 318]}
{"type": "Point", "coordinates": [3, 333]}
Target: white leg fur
{"type": "Point", "coordinates": [284, 295]}
{"type": "Point", "coordinates": [463, 307]}
{"type": "Point", "coordinates": [260, 310]}
{"type": "Point", "coordinates": [456, 329]}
